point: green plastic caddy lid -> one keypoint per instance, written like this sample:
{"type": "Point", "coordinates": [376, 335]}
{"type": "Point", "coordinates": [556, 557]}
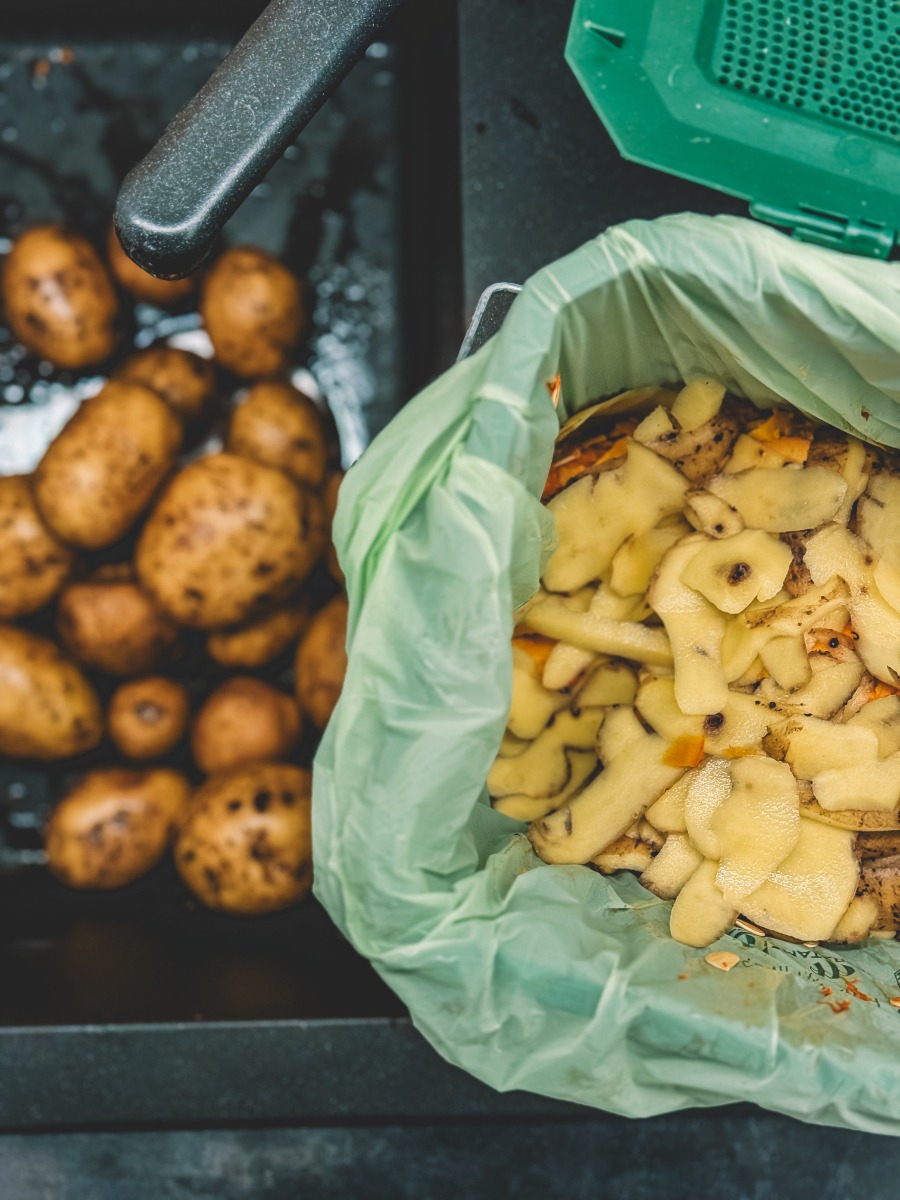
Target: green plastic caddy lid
{"type": "Point", "coordinates": [793, 105]}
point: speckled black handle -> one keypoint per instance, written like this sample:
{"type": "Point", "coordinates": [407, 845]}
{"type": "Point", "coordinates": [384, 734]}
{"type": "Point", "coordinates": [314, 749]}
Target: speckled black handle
{"type": "Point", "coordinates": [173, 203]}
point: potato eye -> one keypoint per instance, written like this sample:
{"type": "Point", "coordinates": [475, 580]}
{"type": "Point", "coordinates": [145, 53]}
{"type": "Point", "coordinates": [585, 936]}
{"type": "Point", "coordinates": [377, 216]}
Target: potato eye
{"type": "Point", "coordinates": [739, 572]}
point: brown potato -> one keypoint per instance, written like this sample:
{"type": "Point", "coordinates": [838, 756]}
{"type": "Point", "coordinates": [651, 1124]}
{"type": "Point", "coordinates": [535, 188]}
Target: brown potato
{"type": "Point", "coordinates": [115, 627]}
{"type": "Point", "coordinates": [252, 306]}
{"type": "Point", "coordinates": [185, 381]}
{"type": "Point", "coordinates": [880, 879]}
{"type": "Point", "coordinates": [260, 641]}
{"type": "Point", "coordinates": [244, 720]}
{"type": "Point", "coordinates": [48, 710]}
{"type": "Point", "coordinates": [279, 426]}
{"type": "Point", "coordinates": [321, 662]}
{"type": "Point", "coordinates": [333, 482]}
{"type": "Point", "coordinates": [246, 847]}
{"type": "Point", "coordinates": [699, 453]}
{"type": "Point", "coordinates": [115, 826]}
{"type": "Point", "coordinates": [33, 563]}
{"type": "Point", "coordinates": [227, 540]}
{"type": "Point", "coordinates": [58, 297]}
{"type": "Point", "coordinates": [140, 283]}
{"type": "Point", "coordinates": [100, 473]}
{"type": "Point", "coordinates": [147, 717]}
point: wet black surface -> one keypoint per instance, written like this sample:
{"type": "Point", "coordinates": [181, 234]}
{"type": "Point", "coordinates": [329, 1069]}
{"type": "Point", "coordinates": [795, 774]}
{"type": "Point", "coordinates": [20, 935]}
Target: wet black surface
{"type": "Point", "coordinates": [152, 954]}
{"type": "Point", "coordinates": [541, 174]}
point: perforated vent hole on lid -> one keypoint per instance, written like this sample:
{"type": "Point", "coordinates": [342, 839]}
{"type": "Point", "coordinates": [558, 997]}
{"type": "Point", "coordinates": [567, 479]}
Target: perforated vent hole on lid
{"type": "Point", "coordinates": [833, 59]}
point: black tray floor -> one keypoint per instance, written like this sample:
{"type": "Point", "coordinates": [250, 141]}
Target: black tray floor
{"type": "Point", "coordinates": [150, 953]}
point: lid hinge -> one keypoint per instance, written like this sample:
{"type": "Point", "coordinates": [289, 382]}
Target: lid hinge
{"type": "Point", "coordinates": [829, 229]}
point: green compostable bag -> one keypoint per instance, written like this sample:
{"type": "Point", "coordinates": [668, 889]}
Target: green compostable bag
{"type": "Point", "coordinates": [556, 979]}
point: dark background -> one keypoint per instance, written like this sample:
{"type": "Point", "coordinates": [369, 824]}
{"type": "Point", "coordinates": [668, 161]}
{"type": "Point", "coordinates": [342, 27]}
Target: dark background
{"type": "Point", "coordinates": [502, 167]}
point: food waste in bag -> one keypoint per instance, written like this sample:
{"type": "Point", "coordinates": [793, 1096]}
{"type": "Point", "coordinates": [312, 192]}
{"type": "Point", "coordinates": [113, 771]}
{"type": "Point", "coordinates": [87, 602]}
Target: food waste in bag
{"type": "Point", "coordinates": [705, 686]}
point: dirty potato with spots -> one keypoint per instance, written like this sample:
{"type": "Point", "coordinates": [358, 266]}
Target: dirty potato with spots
{"type": "Point", "coordinates": [115, 627]}
{"type": "Point", "coordinates": [148, 717]}
{"type": "Point", "coordinates": [252, 307]}
{"type": "Point", "coordinates": [58, 298]}
{"type": "Point", "coordinates": [278, 425]}
{"type": "Point", "coordinates": [260, 641]}
{"type": "Point", "coordinates": [103, 469]}
{"type": "Point", "coordinates": [48, 709]}
{"type": "Point", "coordinates": [185, 381]}
{"type": "Point", "coordinates": [699, 453]}
{"type": "Point", "coordinates": [246, 847]}
{"type": "Point", "coordinates": [321, 662]}
{"type": "Point", "coordinates": [115, 826]}
{"type": "Point", "coordinates": [330, 490]}
{"type": "Point", "coordinates": [244, 720]}
{"type": "Point", "coordinates": [228, 539]}
{"type": "Point", "coordinates": [34, 564]}
{"type": "Point", "coordinates": [162, 293]}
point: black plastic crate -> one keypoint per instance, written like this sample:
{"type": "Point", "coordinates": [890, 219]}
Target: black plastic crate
{"type": "Point", "coordinates": [92, 985]}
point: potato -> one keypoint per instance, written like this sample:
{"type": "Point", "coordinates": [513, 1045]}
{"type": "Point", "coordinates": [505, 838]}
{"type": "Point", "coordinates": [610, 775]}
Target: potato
{"type": "Point", "coordinates": [140, 283]}
{"type": "Point", "coordinates": [880, 879]}
{"type": "Point", "coordinates": [321, 662]}
{"type": "Point", "coordinates": [653, 426]}
{"type": "Point", "coordinates": [147, 717]}
{"type": "Point", "coordinates": [813, 887]}
{"type": "Point", "coordinates": [48, 710]}
{"type": "Point", "coordinates": [595, 516]}
{"type": "Point", "coordinates": [115, 826]}
{"type": "Point", "coordinates": [252, 306]}
{"type": "Point", "coordinates": [554, 617]}
{"type": "Point", "coordinates": [260, 641]}
{"type": "Point", "coordinates": [700, 914]}
{"type": "Point", "coordinates": [782, 501]}
{"type": "Point", "coordinates": [247, 846]}
{"type": "Point", "coordinates": [185, 381]}
{"type": "Point", "coordinates": [333, 482]}
{"type": "Point", "coordinates": [558, 760]}
{"type": "Point", "coordinates": [228, 539]}
{"type": "Point", "coordinates": [695, 629]}
{"type": "Point", "coordinates": [698, 453]}
{"type": "Point", "coordinates": [58, 298]}
{"type": "Point", "coordinates": [100, 473]}
{"type": "Point", "coordinates": [603, 811]}
{"type": "Point", "coordinates": [244, 720]}
{"type": "Point", "coordinates": [280, 427]}
{"type": "Point", "coordinates": [33, 562]}
{"type": "Point", "coordinates": [697, 403]}
{"type": "Point", "coordinates": [115, 627]}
